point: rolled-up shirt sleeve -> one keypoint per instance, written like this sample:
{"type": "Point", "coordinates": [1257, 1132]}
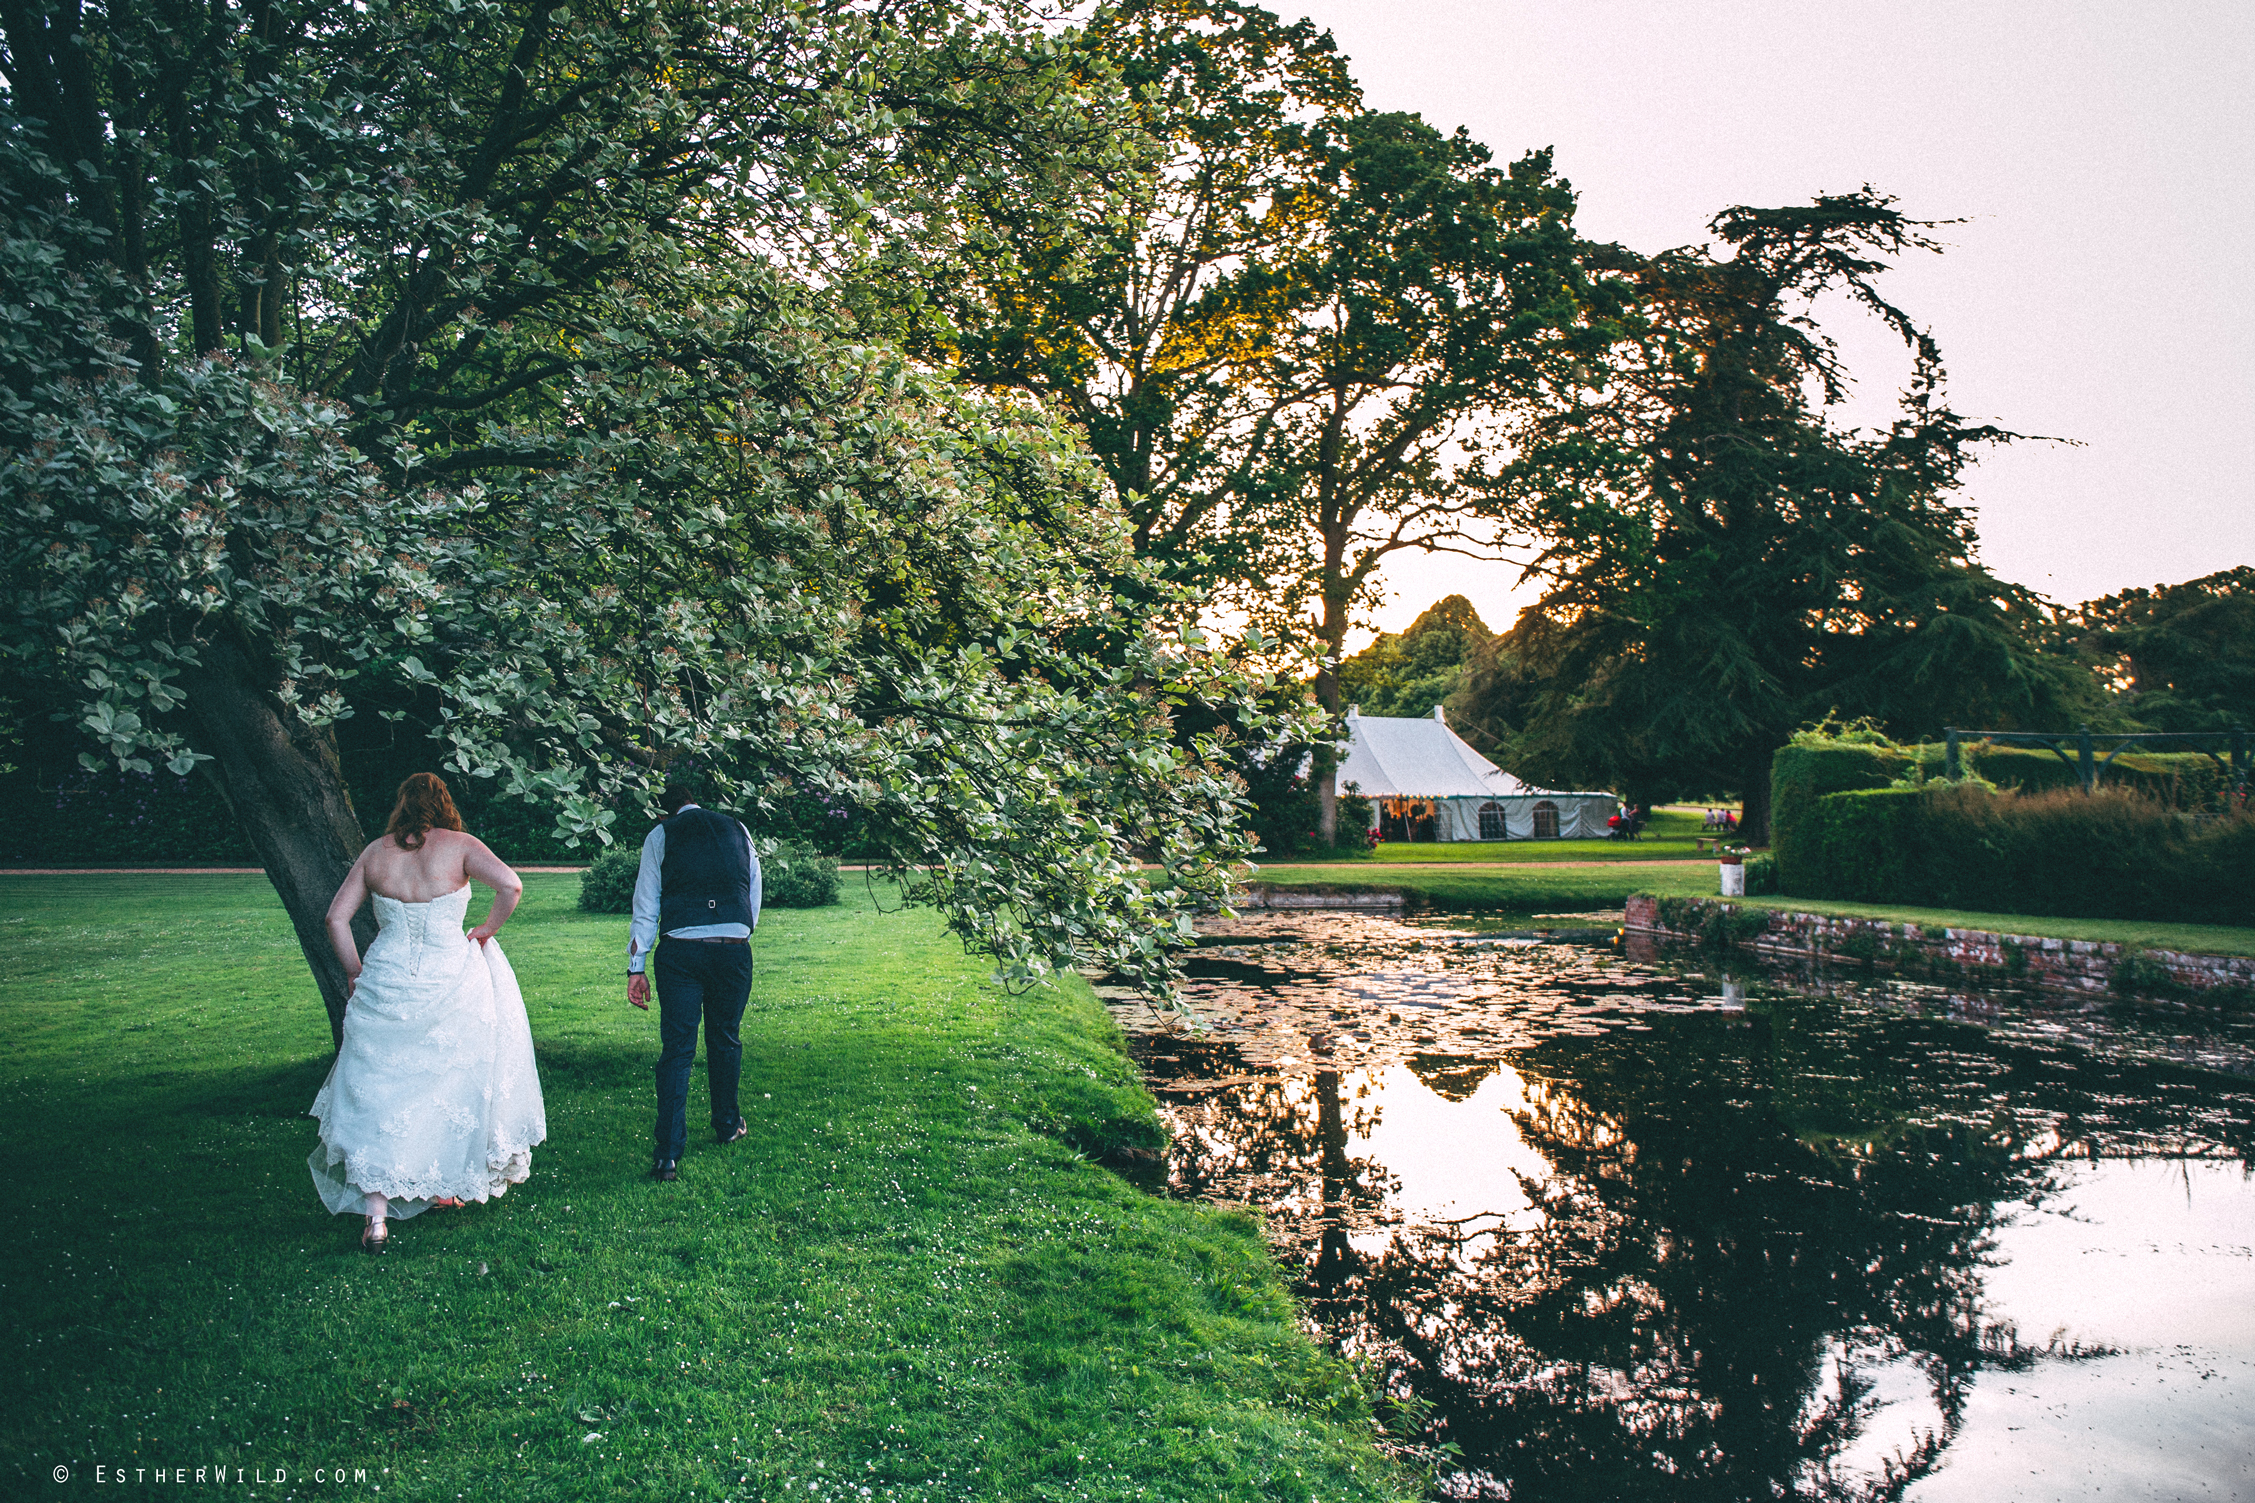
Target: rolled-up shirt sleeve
{"type": "Point", "coordinates": [647, 887]}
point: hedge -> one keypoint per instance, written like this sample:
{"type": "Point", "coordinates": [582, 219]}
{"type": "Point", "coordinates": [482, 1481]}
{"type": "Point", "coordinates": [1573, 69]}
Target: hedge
{"type": "Point", "coordinates": [2116, 853]}
{"type": "Point", "coordinates": [78, 818]}
{"type": "Point", "coordinates": [1801, 774]}
{"type": "Point", "coordinates": [1811, 769]}
{"type": "Point", "coordinates": [2184, 779]}
{"type": "Point", "coordinates": [72, 817]}
{"type": "Point", "coordinates": [62, 813]}
{"type": "Point", "coordinates": [1867, 846]}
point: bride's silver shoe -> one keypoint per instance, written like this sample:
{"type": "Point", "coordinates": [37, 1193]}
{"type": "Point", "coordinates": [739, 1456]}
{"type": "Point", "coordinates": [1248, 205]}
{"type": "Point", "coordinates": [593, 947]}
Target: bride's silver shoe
{"type": "Point", "coordinates": [376, 1236]}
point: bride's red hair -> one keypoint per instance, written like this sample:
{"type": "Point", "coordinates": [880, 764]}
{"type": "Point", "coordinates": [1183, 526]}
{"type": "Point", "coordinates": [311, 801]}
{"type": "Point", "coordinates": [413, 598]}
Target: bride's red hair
{"type": "Point", "coordinates": [424, 805]}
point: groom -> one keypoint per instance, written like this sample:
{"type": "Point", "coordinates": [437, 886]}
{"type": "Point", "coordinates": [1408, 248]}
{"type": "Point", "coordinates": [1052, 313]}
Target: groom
{"type": "Point", "coordinates": [699, 886]}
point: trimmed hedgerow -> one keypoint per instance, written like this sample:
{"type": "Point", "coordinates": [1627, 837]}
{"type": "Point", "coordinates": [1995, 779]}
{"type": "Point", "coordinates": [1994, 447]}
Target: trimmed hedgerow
{"type": "Point", "coordinates": [1868, 845]}
{"type": "Point", "coordinates": [1800, 775]}
{"type": "Point", "coordinates": [1872, 851]}
{"type": "Point", "coordinates": [74, 817]}
{"type": "Point", "coordinates": [2114, 853]}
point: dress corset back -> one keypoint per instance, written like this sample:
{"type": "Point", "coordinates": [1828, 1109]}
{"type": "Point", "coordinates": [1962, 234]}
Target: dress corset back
{"type": "Point", "coordinates": [408, 931]}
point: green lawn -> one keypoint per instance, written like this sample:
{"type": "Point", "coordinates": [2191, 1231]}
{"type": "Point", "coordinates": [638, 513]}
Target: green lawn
{"type": "Point", "coordinates": [1531, 889]}
{"type": "Point", "coordinates": [1671, 835]}
{"type": "Point", "coordinates": [907, 1283]}
{"type": "Point", "coordinates": [2205, 939]}
{"type": "Point", "coordinates": [1528, 888]}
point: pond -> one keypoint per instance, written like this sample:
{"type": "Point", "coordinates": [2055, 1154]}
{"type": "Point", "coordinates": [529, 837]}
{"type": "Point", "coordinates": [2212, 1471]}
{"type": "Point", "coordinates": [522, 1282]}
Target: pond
{"type": "Point", "coordinates": [1620, 1225]}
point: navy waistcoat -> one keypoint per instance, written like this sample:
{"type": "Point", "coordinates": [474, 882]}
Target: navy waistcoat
{"type": "Point", "coordinates": [707, 875]}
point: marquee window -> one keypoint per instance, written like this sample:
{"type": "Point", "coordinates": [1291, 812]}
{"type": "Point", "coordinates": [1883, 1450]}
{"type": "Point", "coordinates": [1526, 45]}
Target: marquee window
{"type": "Point", "coordinates": [1546, 820]}
{"type": "Point", "coordinates": [1491, 822]}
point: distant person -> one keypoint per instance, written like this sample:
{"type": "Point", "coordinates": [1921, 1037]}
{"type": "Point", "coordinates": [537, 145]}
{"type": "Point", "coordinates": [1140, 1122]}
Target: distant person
{"type": "Point", "coordinates": [699, 886]}
{"type": "Point", "coordinates": [434, 1098]}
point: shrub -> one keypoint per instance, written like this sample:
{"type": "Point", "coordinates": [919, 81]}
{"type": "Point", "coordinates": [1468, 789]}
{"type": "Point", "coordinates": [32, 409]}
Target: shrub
{"type": "Point", "coordinates": [2114, 853]}
{"type": "Point", "coordinates": [792, 875]}
{"type": "Point", "coordinates": [795, 875]}
{"type": "Point", "coordinates": [2138, 974]}
{"type": "Point", "coordinates": [1802, 773]}
{"type": "Point", "coordinates": [1868, 845]}
{"type": "Point", "coordinates": [1353, 824]}
{"type": "Point", "coordinates": [1284, 812]}
{"type": "Point", "coordinates": [607, 886]}
{"type": "Point", "coordinates": [1833, 758]}
{"type": "Point", "coordinates": [1718, 927]}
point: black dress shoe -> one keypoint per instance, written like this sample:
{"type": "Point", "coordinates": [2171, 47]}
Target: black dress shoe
{"type": "Point", "coordinates": [664, 1170]}
{"type": "Point", "coordinates": [731, 1134]}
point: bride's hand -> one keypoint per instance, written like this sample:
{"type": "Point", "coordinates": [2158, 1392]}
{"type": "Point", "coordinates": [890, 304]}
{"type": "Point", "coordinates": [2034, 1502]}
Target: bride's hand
{"type": "Point", "coordinates": [481, 934]}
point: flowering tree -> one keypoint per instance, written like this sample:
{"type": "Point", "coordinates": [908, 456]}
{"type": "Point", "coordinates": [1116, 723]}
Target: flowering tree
{"type": "Point", "coordinates": [400, 352]}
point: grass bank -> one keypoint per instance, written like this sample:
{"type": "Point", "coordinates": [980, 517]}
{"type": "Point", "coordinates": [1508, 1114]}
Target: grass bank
{"type": "Point", "coordinates": [1515, 889]}
{"type": "Point", "coordinates": [1671, 835]}
{"type": "Point", "coordinates": [2202, 939]}
{"type": "Point", "coordinates": [1532, 888]}
{"type": "Point", "coordinates": [910, 1281]}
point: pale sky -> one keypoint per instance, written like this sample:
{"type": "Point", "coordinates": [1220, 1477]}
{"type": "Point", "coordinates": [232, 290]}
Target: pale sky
{"type": "Point", "coordinates": [2097, 292]}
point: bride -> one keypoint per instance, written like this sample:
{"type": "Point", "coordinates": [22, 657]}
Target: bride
{"type": "Point", "coordinates": [434, 1098]}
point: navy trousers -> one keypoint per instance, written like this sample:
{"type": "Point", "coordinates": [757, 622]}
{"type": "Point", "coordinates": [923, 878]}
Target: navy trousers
{"type": "Point", "coordinates": [708, 983]}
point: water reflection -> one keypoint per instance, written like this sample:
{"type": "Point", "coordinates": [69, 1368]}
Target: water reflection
{"type": "Point", "coordinates": [1620, 1231]}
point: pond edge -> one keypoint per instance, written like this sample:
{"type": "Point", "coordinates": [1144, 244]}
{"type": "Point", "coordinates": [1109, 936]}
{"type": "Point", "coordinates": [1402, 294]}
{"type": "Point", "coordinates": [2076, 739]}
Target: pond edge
{"type": "Point", "coordinates": [2081, 967]}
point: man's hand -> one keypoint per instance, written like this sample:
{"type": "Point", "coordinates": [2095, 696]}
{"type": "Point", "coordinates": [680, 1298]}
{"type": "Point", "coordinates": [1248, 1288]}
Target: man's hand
{"type": "Point", "coordinates": [638, 990]}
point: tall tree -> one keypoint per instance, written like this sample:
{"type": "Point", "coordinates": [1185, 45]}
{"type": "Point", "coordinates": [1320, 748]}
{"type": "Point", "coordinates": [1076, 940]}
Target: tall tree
{"type": "Point", "coordinates": [1440, 297]}
{"type": "Point", "coordinates": [1411, 671]}
{"type": "Point", "coordinates": [1724, 561]}
{"type": "Point", "coordinates": [1292, 350]}
{"type": "Point", "coordinates": [1137, 317]}
{"type": "Point", "coordinates": [461, 351]}
{"type": "Point", "coordinates": [2176, 657]}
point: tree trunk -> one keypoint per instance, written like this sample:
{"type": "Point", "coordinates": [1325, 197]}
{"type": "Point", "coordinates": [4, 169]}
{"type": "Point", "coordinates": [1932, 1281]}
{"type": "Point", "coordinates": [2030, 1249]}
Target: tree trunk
{"type": "Point", "coordinates": [286, 789]}
{"type": "Point", "coordinates": [1754, 817]}
{"type": "Point", "coordinates": [1323, 760]}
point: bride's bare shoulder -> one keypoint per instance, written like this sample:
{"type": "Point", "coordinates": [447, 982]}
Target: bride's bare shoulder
{"type": "Point", "coordinates": [455, 850]}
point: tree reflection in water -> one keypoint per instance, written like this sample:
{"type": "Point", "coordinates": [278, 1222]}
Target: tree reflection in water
{"type": "Point", "coordinates": [1747, 1251]}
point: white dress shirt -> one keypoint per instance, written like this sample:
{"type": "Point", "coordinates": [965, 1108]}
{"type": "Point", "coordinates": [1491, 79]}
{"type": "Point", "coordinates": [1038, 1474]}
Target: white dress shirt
{"type": "Point", "coordinates": [649, 885]}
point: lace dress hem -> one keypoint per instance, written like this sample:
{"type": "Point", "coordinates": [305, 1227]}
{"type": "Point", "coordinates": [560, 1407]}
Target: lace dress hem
{"type": "Point", "coordinates": [435, 1093]}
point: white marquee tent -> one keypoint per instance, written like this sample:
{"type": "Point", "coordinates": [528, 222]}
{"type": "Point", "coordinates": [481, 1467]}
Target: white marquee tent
{"type": "Point", "coordinates": [1424, 782]}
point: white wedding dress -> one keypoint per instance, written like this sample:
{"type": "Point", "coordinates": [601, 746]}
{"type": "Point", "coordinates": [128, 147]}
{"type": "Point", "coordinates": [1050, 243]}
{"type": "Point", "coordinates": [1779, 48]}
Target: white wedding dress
{"type": "Point", "coordinates": [434, 1092]}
